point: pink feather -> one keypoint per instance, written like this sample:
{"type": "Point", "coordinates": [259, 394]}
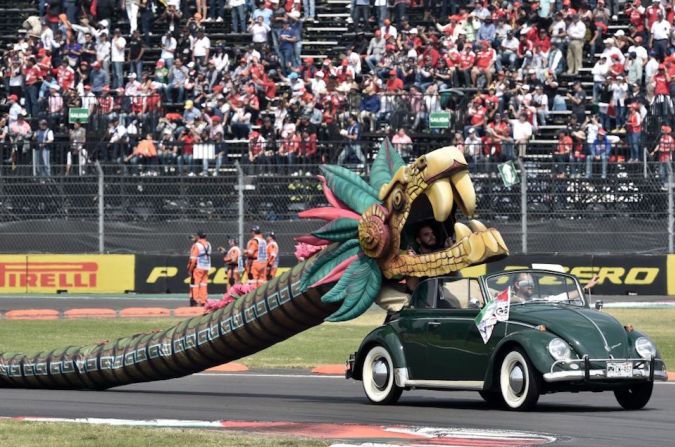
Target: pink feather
{"type": "Point", "coordinates": [304, 251]}
{"type": "Point", "coordinates": [335, 274]}
{"type": "Point", "coordinates": [311, 240]}
{"type": "Point", "coordinates": [328, 213]}
{"type": "Point", "coordinates": [334, 201]}
{"type": "Point", "coordinates": [235, 292]}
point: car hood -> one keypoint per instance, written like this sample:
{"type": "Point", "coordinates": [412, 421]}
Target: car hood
{"type": "Point", "coordinates": [587, 331]}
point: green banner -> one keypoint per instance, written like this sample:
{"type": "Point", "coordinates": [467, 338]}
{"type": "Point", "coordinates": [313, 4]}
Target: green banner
{"type": "Point", "coordinates": [80, 115]}
{"type": "Point", "coordinates": [439, 120]}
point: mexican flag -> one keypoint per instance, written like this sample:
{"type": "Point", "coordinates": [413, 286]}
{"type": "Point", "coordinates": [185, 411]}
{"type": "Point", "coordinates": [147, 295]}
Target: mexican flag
{"type": "Point", "coordinates": [495, 311]}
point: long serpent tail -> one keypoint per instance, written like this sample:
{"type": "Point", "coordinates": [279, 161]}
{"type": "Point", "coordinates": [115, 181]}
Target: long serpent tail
{"type": "Point", "coordinates": [270, 314]}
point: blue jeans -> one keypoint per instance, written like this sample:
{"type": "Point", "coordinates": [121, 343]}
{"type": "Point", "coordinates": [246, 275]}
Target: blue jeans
{"type": "Point", "coordinates": [137, 67]}
{"type": "Point", "coordinates": [275, 41]}
{"type": "Point", "coordinates": [634, 144]}
{"type": "Point", "coordinates": [216, 9]}
{"type": "Point", "coordinates": [171, 94]}
{"type": "Point", "coordinates": [589, 168]}
{"type": "Point", "coordinates": [401, 10]}
{"type": "Point", "coordinates": [183, 159]}
{"type": "Point", "coordinates": [351, 149]}
{"type": "Point", "coordinates": [286, 57]}
{"type": "Point", "coordinates": [382, 13]}
{"type": "Point", "coordinates": [44, 169]}
{"type": "Point", "coordinates": [238, 17]}
{"type": "Point", "coordinates": [297, 50]}
{"type": "Point", "coordinates": [308, 6]}
{"type": "Point", "coordinates": [118, 74]}
{"type": "Point", "coordinates": [32, 95]}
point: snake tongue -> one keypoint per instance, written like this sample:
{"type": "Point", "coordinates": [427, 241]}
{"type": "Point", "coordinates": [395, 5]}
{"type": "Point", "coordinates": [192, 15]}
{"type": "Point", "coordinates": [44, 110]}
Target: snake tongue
{"type": "Point", "coordinates": [441, 198]}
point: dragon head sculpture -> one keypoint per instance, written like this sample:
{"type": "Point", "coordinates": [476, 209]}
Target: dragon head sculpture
{"type": "Point", "coordinates": [375, 224]}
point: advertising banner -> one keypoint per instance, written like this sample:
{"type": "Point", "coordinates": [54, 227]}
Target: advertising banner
{"type": "Point", "coordinates": [66, 273]}
{"type": "Point", "coordinates": [617, 275]}
{"type": "Point", "coordinates": [168, 274]}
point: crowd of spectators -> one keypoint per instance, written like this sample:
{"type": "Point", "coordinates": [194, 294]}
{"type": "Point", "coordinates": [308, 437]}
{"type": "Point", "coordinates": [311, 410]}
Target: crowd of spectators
{"type": "Point", "coordinates": [514, 63]}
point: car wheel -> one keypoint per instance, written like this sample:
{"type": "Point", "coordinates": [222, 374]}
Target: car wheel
{"type": "Point", "coordinates": [635, 396]}
{"type": "Point", "coordinates": [493, 398]}
{"type": "Point", "coordinates": [519, 381]}
{"type": "Point", "coordinates": [378, 377]}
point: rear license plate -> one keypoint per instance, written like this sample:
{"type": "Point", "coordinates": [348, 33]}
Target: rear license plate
{"type": "Point", "coordinates": [619, 369]}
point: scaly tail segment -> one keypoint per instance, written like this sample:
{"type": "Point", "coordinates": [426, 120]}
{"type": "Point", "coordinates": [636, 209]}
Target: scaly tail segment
{"type": "Point", "coordinates": [270, 314]}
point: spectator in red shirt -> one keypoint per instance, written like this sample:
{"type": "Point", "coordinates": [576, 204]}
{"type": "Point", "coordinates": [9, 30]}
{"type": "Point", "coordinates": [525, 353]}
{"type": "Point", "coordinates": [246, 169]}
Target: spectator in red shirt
{"type": "Point", "coordinates": [32, 79]}
{"type": "Point", "coordinates": [485, 60]}
{"type": "Point", "coordinates": [664, 148]}
{"type": "Point", "coordinates": [466, 60]}
{"type": "Point", "coordinates": [563, 153]}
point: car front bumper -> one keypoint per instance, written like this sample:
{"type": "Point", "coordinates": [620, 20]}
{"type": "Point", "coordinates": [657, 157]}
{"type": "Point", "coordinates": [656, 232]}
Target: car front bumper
{"type": "Point", "coordinates": [643, 370]}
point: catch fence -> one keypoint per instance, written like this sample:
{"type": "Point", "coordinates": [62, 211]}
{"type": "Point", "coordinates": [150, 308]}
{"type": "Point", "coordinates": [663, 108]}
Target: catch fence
{"type": "Point", "coordinates": [630, 211]}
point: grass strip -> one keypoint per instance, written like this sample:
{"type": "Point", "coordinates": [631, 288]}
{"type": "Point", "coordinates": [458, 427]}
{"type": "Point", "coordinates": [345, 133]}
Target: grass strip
{"type": "Point", "coordinates": [40, 434]}
{"type": "Point", "coordinates": [327, 343]}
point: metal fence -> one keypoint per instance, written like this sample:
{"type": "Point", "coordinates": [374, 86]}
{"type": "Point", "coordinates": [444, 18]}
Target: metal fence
{"type": "Point", "coordinates": [631, 211]}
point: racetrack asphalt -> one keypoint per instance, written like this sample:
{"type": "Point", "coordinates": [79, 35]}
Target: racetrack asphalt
{"type": "Point", "coordinates": [585, 419]}
{"type": "Point", "coordinates": [64, 302]}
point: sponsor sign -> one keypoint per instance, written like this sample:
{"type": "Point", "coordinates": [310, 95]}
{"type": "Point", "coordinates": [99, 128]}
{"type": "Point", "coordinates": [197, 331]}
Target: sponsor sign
{"type": "Point", "coordinates": [168, 274]}
{"type": "Point", "coordinates": [71, 273]}
{"type": "Point", "coordinates": [617, 274]}
{"type": "Point", "coordinates": [77, 114]}
{"type": "Point", "coordinates": [439, 120]}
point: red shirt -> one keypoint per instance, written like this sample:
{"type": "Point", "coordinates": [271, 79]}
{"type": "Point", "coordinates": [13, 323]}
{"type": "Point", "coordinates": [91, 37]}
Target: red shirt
{"type": "Point", "coordinates": [65, 77]}
{"type": "Point", "coordinates": [484, 58]}
{"type": "Point", "coordinates": [255, 146]}
{"type": "Point", "coordinates": [652, 15]}
{"type": "Point", "coordinates": [188, 144]}
{"type": "Point", "coordinates": [466, 60]}
{"type": "Point", "coordinates": [661, 84]}
{"type": "Point", "coordinates": [565, 145]}
{"type": "Point", "coordinates": [634, 121]}
{"type": "Point", "coordinates": [666, 146]}
{"type": "Point", "coordinates": [32, 75]}
{"type": "Point", "coordinates": [394, 83]}
{"type": "Point", "coordinates": [637, 20]}
{"type": "Point", "coordinates": [452, 59]}
{"type": "Point", "coordinates": [478, 117]}
{"type": "Point", "coordinates": [105, 104]}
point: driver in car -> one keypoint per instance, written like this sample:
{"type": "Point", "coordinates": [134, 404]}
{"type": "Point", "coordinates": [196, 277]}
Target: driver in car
{"type": "Point", "coordinates": [522, 287]}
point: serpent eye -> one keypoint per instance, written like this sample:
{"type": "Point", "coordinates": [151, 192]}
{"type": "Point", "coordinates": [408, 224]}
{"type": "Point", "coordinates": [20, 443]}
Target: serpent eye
{"type": "Point", "coordinates": [422, 164]}
{"type": "Point", "coordinates": [398, 199]}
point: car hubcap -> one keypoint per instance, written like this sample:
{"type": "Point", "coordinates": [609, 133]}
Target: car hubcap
{"type": "Point", "coordinates": [380, 374]}
{"type": "Point", "coordinates": [516, 379]}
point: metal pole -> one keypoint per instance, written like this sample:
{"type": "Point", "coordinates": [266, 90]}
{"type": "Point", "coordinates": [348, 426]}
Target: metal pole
{"type": "Point", "coordinates": [644, 162]}
{"type": "Point", "coordinates": [671, 218]}
{"type": "Point", "coordinates": [523, 206]}
{"type": "Point", "coordinates": [240, 196]}
{"type": "Point", "coordinates": [101, 209]}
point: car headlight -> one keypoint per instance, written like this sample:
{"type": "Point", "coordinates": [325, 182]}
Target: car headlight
{"type": "Point", "coordinates": [559, 350]}
{"type": "Point", "coordinates": [645, 348]}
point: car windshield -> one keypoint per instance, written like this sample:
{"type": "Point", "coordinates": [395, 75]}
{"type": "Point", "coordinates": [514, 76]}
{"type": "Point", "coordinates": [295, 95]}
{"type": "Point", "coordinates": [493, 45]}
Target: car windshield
{"type": "Point", "coordinates": [532, 287]}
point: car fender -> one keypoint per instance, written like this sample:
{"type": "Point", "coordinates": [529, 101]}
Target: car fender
{"type": "Point", "coordinates": [386, 337]}
{"type": "Point", "coordinates": [532, 341]}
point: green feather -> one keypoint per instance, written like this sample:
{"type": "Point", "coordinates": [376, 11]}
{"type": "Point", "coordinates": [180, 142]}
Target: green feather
{"type": "Point", "coordinates": [357, 289]}
{"type": "Point", "coordinates": [338, 230]}
{"type": "Point", "coordinates": [351, 189]}
{"type": "Point", "coordinates": [327, 260]}
{"type": "Point", "coordinates": [386, 164]}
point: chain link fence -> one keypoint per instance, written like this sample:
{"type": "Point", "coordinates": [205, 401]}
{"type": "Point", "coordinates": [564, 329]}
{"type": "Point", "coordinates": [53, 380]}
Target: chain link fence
{"type": "Point", "coordinates": [630, 211]}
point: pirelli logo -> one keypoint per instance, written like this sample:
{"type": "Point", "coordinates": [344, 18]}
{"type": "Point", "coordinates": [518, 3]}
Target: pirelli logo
{"type": "Point", "coordinates": [60, 275]}
{"type": "Point", "coordinates": [73, 273]}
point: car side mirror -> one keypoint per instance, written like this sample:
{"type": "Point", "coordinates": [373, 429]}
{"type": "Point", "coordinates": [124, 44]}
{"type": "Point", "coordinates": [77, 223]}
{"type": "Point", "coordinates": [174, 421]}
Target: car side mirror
{"type": "Point", "coordinates": [599, 305]}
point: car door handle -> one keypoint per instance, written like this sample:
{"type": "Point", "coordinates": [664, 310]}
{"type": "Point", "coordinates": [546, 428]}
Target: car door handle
{"type": "Point", "coordinates": [433, 324]}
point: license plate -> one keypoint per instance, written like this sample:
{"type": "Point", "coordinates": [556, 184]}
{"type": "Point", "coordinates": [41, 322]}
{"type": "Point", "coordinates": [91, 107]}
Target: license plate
{"type": "Point", "coordinates": [619, 369]}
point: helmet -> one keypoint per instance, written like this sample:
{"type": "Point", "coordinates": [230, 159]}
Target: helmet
{"type": "Point", "coordinates": [255, 229]}
{"type": "Point", "coordinates": [201, 234]}
{"type": "Point", "coordinates": [272, 235]}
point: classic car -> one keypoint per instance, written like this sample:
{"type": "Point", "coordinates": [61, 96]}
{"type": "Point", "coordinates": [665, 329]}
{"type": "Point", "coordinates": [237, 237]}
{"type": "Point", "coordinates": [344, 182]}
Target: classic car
{"type": "Point", "coordinates": [538, 334]}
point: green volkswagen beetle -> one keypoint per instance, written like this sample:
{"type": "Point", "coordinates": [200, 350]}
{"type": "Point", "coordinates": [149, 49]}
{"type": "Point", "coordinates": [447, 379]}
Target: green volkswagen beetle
{"type": "Point", "coordinates": [511, 336]}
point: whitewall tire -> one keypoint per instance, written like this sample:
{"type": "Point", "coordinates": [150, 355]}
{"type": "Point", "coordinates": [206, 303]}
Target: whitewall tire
{"type": "Point", "coordinates": [378, 377]}
{"type": "Point", "coordinates": [518, 381]}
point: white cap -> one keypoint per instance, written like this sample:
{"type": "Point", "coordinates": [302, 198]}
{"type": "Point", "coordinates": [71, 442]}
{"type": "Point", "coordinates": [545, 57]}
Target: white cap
{"type": "Point", "coordinates": [319, 74]}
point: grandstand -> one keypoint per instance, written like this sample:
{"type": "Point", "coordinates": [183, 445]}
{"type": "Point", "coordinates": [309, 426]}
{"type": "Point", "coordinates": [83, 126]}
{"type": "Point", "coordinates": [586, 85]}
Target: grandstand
{"type": "Point", "coordinates": [563, 195]}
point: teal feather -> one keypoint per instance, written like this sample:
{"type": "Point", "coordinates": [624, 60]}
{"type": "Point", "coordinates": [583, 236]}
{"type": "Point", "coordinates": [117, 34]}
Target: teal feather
{"type": "Point", "coordinates": [386, 164]}
{"type": "Point", "coordinates": [338, 230]}
{"type": "Point", "coordinates": [357, 289]}
{"type": "Point", "coordinates": [351, 189]}
{"type": "Point", "coordinates": [327, 260]}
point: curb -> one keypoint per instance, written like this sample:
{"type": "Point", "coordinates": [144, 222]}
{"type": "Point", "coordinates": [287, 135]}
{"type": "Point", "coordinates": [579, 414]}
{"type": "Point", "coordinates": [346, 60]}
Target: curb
{"type": "Point", "coordinates": [96, 312]}
{"type": "Point", "coordinates": [671, 376]}
{"type": "Point", "coordinates": [229, 367]}
{"type": "Point", "coordinates": [329, 370]}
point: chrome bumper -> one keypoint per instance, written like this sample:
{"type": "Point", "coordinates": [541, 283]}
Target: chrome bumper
{"type": "Point", "coordinates": [642, 370]}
